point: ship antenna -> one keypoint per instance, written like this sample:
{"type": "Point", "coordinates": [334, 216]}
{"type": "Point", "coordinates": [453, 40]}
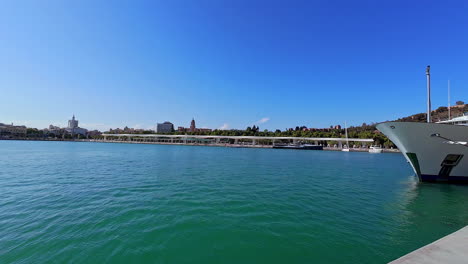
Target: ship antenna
{"type": "Point", "coordinates": [428, 75]}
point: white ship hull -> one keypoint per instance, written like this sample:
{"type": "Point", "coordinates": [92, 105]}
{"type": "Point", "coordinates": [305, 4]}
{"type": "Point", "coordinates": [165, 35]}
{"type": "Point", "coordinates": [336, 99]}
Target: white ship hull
{"type": "Point", "coordinates": [437, 152]}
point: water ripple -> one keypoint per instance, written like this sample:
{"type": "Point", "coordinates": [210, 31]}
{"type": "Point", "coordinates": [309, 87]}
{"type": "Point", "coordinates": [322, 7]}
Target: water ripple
{"type": "Point", "coordinates": [66, 202]}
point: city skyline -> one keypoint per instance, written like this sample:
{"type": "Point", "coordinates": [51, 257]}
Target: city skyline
{"type": "Point", "coordinates": [229, 65]}
{"type": "Point", "coordinates": [72, 124]}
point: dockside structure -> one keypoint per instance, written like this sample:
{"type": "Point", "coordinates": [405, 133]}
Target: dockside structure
{"type": "Point", "coordinates": [213, 139]}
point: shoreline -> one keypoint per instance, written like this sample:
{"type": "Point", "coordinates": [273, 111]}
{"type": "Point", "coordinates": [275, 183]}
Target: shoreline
{"type": "Point", "coordinates": [194, 144]}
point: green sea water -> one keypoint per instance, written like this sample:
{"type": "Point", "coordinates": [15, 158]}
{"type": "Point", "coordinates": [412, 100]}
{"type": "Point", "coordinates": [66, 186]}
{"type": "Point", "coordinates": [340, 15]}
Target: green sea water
{"type": "Point", "coordinates": [66, 202]}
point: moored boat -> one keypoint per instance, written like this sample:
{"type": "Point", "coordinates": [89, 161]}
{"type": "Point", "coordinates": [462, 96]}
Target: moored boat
{"type": "Point", "coordinates": [436, 151]}
{"type": "Point", "coordinates": [375, 149]}
{"type": "Point", "coordinates": [299, 146]}
{"type": "Point", "coordinates": [346, 149]}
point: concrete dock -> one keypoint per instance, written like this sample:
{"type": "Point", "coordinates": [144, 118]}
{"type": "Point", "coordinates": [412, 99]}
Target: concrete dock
{"type": "Point", "coordinates": [451, 249]}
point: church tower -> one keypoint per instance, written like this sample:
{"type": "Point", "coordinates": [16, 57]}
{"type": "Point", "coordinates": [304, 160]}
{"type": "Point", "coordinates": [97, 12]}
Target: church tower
{"type": "Point", "coordinates": [73, 123]}
{"type": "Point", "coordinates": [192, 125]}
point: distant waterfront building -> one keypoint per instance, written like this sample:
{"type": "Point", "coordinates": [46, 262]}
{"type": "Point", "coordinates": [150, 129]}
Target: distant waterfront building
{"type": "Point", "coordinates": [116, 131]}
{"type": "Point", "coordinates": [55, 130]}
{"type": "Point", "coordinates": [94, 133]}
{"type": "Point", "coordinates": [166, 127]}
{"type": "Point", "coordinates": [126, 130]}
{"type": "Point", "coordinates": [72, 123]}
{"type": "Point", "coordinates": [73, 127]}
{"type": "Point", "coordinates": [192, 126]}
{"type": "Point", "coordinates": [6, 130]}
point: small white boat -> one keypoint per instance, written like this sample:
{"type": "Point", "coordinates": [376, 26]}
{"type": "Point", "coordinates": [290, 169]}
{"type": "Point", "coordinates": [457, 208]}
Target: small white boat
{"type": "Point", "coordinates": [375, 149]}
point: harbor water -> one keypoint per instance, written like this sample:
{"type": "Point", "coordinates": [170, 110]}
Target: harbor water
{"type": "Point", "coordinates": [64, 202]}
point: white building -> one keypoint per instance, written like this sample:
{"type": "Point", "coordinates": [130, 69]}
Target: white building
{"type": "Point", "coordinates": [74, 129]}
{"type": "Point", "coordinates": [73, 123]}
{"type": "Point", "coordinates": [12, 130]}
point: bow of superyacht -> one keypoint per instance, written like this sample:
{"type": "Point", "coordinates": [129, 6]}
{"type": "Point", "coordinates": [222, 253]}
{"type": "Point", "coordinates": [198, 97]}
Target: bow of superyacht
{"type": "Point", "coordinates": [436, 151]}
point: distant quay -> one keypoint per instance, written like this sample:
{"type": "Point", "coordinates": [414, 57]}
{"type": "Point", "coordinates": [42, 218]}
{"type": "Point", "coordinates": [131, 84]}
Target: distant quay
{"type": "Point", "coordinates": [189, 143]}
{"type": "Point", "coordinates": [236, 141]}
{"type": "Point", "coordinates": [357, 149]}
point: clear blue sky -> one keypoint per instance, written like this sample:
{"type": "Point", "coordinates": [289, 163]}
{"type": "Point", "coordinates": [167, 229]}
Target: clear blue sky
{"type": "Point", "coordinates": [228, 63]}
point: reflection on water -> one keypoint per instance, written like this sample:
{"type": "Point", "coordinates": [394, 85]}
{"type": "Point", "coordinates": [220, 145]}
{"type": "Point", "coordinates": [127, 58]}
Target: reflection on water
{"type": "Point", "coordinates": [427, 212]}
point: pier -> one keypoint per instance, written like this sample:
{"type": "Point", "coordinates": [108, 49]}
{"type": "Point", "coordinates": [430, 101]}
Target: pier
{"type": "Point", "coordinates": [451, 249]}
{"type": "Point", "coordinates": [252, 141]}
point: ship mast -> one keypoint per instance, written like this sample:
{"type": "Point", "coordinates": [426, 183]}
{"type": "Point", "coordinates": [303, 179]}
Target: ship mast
{"type": "Point", "coordinates": [448, 99]}
{"type": "Point", "coordinates": [346, 132]}
{"type": "Point", "coordinates": [428, 75]}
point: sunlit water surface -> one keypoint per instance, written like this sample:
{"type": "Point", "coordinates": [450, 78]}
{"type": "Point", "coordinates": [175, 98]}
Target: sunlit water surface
{"type": "Point", "coordinates": [126, 203]}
